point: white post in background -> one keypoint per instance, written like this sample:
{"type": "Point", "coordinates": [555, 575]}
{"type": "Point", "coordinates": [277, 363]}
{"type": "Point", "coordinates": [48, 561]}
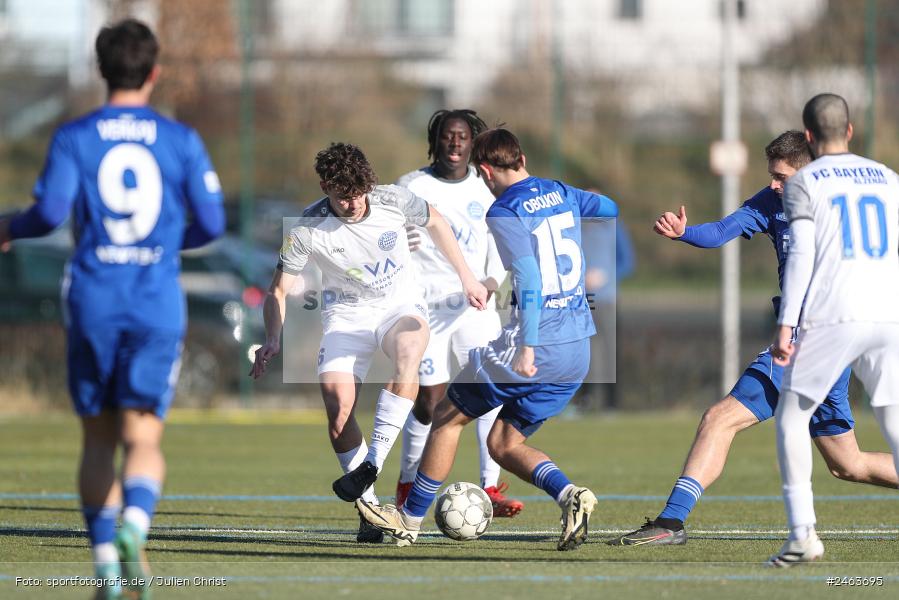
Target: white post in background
{"type": "Point", "coordinates": [730, 162]}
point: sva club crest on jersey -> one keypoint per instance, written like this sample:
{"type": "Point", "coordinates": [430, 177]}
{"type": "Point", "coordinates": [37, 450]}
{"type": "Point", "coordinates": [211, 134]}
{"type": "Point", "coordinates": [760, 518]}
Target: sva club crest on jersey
{"type": "Point", "coordinates": [475, 210]}
{"type": "Point", "coordinates": [387, 241]}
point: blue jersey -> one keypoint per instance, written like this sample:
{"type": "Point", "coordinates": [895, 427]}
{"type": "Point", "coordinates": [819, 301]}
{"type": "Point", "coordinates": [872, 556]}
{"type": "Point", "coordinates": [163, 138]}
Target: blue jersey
{"type": "Point", "coordinates": [131, 177]}
{"type": "Point", "coordinates": [537, 227]}
{"type": "Point", "coordinates": [763, 213]}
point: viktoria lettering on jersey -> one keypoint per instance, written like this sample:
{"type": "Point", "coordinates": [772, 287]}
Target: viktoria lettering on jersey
{"type": "Point", "coordinates": [127, 129]}
{"type": "Point", "coordinates": [129, 255]}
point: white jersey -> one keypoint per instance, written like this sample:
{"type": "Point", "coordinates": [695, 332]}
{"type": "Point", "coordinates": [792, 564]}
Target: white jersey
{"type": "Point", "coordinates": [464, 205]}
{"type": "Point", "coordinates": [854, 205]}
{"type": "Point", "coordinates": [366, 263]}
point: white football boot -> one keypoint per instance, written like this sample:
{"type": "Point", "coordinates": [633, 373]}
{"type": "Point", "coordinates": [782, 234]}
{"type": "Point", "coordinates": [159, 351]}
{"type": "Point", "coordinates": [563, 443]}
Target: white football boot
{"type": "Point", "coordinates": [390, 520]}
{"type": "Point", "coordinates": [798, 551]}
{"type": "Point", "coordinates": [577, 506]}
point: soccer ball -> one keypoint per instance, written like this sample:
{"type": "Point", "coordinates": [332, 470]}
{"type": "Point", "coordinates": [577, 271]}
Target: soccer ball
{"type": "Point", "coordinates": [463, 511]}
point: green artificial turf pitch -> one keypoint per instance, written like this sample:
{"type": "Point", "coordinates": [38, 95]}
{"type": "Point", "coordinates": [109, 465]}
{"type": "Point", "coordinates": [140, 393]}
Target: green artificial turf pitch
{"type": "Point", "coordinates": [248, 513]}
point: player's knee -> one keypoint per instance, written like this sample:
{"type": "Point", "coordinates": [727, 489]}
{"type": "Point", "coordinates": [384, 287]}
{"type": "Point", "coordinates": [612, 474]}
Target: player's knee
{"type": "Point", "coordinates": [499, 447]}
{"type": "Point", "coordinates": [424, 412]}
{"type": "Point", "coordinates": [426, 402]}
{"type": "Point", "coordinates": [143, 438]}
{"type": "Point", "coordinates": [338, 417]}
{"type": "Point", "coordinates": [140, 445]}
{"type": "Point", "coordinates": [448, 416]}
{"type": "Point", "coordinates": [98, 448]}
{"type": "Point", "coordinates": [407, 365]}
{"type": "Point", "coordinates": [101, 441]}
{"type": "Point", "coordinates": [847, 470]}
{"type": "Point", "coordinates": [719, 417]}
{"type": "Point", "coordinates": [711, 419]}
{"type": "Point", "coordinates": [846, 474]}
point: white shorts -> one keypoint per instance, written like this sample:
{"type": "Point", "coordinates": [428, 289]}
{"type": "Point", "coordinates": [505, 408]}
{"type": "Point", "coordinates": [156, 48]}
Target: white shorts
{"type": "Point", "coordinates": [350, 338]}
{"type": "Point", "coordinates": [455, 332]}
{"type": "Point", "coordinates": [822, 353]}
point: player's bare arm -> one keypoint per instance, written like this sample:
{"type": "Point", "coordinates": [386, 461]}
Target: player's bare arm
{"type": "Point", "coordinates": [671, 225]}
{"type": "Point", "coordinates": [274, 313]}
{"type": "Point", "coordinates": [445, 241]}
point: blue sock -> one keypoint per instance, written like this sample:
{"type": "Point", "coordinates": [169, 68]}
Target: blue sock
{"type": "Point", "coordinates": [100, 522]}
{"type": "Point", "coordinates": [141, 492]}
{"type": "Point", "coordinates": [683, 498]}
{"type": "Point", "coordinates": [549, 478]}
{"type": "Point", "coordinates": [421, 495]}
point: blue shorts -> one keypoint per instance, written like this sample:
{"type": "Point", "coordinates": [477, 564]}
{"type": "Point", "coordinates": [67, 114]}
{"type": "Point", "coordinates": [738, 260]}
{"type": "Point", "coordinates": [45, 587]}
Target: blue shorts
{"type": "Point", "coordinates": [758, 389]}
{"type": "Point", "coordinates": [112, 368]}
{"type": "Point", "coordinates": [487, 381]}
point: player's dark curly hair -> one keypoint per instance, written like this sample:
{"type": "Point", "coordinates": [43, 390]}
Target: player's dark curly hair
{"type": "Point", "coordinates": [344, 169]}
{"type": "Point", "coordinates": [790, 146]}
{"type": "Point", "coordinates": [498, 148]}
{"type": "Point", "coordinates": [126, 54]}
{"type": "Point", "coordinates": [439, 118]}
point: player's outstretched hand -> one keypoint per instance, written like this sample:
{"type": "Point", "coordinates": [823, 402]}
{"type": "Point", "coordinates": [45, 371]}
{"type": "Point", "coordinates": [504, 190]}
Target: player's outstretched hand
{"type": "Point", "coordinates": [476, 292]}
{"type": "Point", "coordinates": [523, 361]}
{"type": "Point", "coordinates": [414, 236]}
{"type": "Point", "coordinates": [782, 349]}
{"type": "Point", "coordinates": [263, 355]}
{"type": "Point", "coordinates": [5, 242]}
{"type": "Point", "coordinates": [671, 225]}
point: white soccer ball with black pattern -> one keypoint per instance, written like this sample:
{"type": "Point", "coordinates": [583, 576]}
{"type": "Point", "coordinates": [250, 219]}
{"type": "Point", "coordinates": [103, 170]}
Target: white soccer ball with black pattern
{"type": "Point", "coordinates": [463, 511]}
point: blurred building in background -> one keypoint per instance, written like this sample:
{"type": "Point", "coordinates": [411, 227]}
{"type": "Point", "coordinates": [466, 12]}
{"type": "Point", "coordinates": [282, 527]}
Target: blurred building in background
{"type": "Point", "coordinates": [662, 51]}
{"type": "Point", "coordinates": [48, 52]}
{"type": "Point", "coordinates": [626, 92]}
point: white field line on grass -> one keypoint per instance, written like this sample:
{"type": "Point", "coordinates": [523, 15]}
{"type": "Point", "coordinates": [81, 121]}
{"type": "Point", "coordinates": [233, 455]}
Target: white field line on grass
{"type": "Point", "coordinates": [328, 531]}
{"type": "Point", "coordinates": [44, 496]}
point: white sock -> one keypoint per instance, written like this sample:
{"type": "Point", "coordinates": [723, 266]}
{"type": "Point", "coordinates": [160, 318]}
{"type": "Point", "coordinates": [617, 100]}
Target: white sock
{"type": "Point", "coordinates": [351, 459]}
{"type": "Point", "coordinates": [105, 554]}
{"type": "Point", "coordinates": [138, 518]}
{"type": "Point", "coordinates": [803, 532]}
{"type": "Point", "coordinates": [888, 418]}
{"type": "Point", "coordinates": [415, 435]}
{"type": "Point", "coordinates": [489, 467]}
{"type": "Point", "coordinates": [563, 495]}
{"type": "Point", "coordinates": [390, 416]}
{"type": "Point", "coordinates": [411, 519]}
{"type": "Point", "coordinates": [794, 453]}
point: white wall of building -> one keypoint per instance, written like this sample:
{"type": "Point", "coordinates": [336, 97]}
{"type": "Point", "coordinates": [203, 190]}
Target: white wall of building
{"type": "Point", "coordinates": [671, 39]}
